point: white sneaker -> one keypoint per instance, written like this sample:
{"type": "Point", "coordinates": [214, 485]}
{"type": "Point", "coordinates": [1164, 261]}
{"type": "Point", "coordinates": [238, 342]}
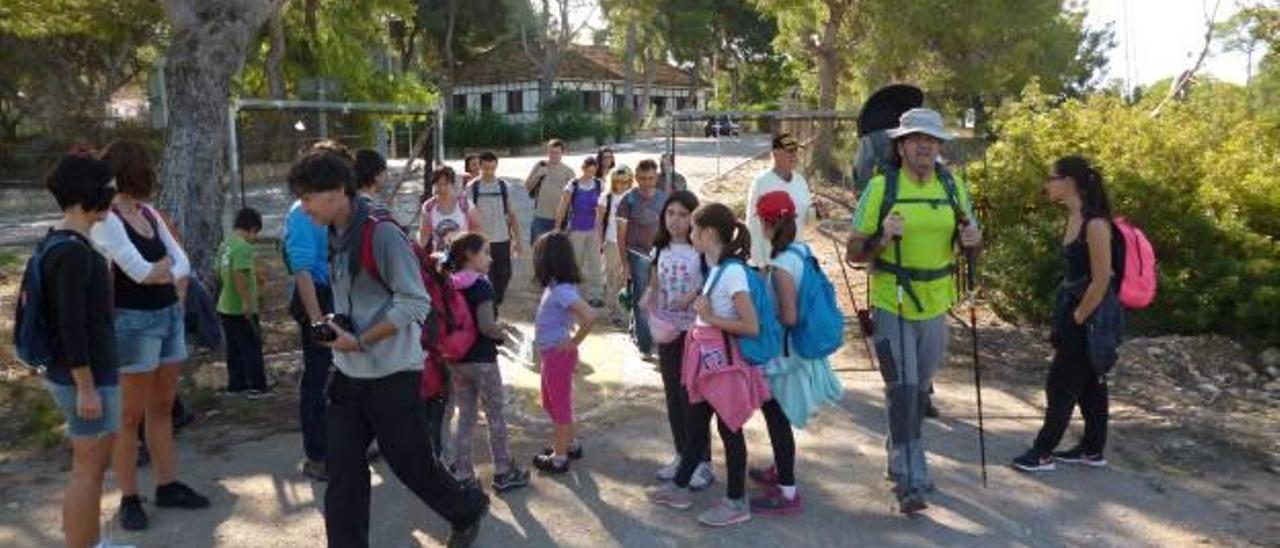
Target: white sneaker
{"type": "Point", "coordinates": [668, 472]}
{"type": "Point", "coordinates": [703, 477]}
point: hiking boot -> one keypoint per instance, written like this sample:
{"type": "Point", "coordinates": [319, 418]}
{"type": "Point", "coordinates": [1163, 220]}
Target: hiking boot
{"type": "Point", "coordinates": [463, 536]}
{"type": "Point", "coordinates": [550, 465]}
{"type": "Point", "coordinates": [575, 451]}
{"type": "Point", "coordinates": [132, 516]}
{"type": "Point", "coordinates": [767, 477]}
{"type": "Point", "coordinates": [668, 472]}
{"type": "Point", "coordinates": [671, 496]}
{"type": "Point", "coordinates": [774, 503]}
{"type": "Point", "coordinates": [1079, 455]}
{"type": "Point", "coordinates": [725, 513]}
{"type": "Point", "coordinates": [912, 503]}
{"type": "Point", "coordinates": [513, 478]}
{"type": "Point", "coordinates": [1034, 461]}
{"type": "Point", "coordinates": [702, 478]}
{"type": "Point", "coordinates": [178, 495]}
{"type": "Point", "coordinates": [315, 470]}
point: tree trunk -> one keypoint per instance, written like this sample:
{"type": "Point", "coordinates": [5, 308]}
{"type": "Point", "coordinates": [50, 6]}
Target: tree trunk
{"type": "Point", "coordinates": [206, 51]}
{"type": "Point", "coordinates": [446, 87]}
{"type": "Point", "coordinates": [274, 67]}
{"type": "Point", "coordinates": [646, 95]}
{"type": "Point", "coordinates": [629, 69]}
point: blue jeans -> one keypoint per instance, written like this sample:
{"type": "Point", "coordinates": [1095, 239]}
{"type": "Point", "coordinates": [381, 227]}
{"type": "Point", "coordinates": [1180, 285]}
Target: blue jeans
{"type": "Point", "coordinates": [639, 319]}
{"type": "Point", "coordinates": [66, 397]}
{"type": "Point", "coordinates": [147, 339]}
{"type": "Point", "coordinates": [316, 361]}
{"type": "Point", "coordinates": [540, 226]}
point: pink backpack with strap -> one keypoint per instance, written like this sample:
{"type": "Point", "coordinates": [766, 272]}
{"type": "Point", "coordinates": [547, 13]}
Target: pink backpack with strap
{"type": "Point", "coordinates": [1138, 285]}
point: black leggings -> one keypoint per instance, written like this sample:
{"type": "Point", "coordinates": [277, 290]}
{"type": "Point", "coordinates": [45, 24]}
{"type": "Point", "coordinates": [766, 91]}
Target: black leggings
{"type": "Point", "coordinates": [783, 441]}
{"type": "Point", "coordinates": [670, 356]}
{"type": "Point", "coordinates": [1073, 382]}
{"type": "Point", "coordinates": [735, 450]}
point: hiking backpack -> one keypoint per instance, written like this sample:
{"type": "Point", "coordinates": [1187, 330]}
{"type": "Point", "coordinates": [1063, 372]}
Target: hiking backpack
{"type": "Point", "coordinates": [819, 330]}
{"type": "Point", "coordinates": [1138, 280]}
{"type": "Point", "coordinates": [573, 193]}
{"type": "Point", "coordinates": [34, 339]}
{"type": "Point", "coordinates": [502, 188]}
{"type": "Point", "coordinates": [449, 330]}
{"type": "Point", "coordinates": [767, 343]}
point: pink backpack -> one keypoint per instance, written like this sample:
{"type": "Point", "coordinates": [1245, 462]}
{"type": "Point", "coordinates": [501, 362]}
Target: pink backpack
{"type": "Point", "coordinates": [1138, 286]}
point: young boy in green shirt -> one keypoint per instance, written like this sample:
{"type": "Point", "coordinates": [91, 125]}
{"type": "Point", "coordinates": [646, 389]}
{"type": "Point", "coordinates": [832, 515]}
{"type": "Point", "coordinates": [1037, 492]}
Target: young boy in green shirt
{"type": "Point", "coordinates": [238, 306]}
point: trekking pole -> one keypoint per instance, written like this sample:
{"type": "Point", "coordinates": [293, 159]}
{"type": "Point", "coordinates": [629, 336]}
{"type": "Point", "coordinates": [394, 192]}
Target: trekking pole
{"type": "Point", "coordinates": [863, 316]}
{"type": "Point", "coordinates": [971, 257]}
{"type": "Point", "coordinates": [902, 366]}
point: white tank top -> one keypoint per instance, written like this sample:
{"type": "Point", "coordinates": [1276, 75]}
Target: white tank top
{"type": "Point", "coordinates": [444, 224]}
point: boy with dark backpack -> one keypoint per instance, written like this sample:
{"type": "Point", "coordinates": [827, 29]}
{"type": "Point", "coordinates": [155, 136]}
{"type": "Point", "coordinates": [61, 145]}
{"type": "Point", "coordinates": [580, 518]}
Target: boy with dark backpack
{"type": "Point", "coordinates": [375, 334]}
{"type": "Point", "coordinates": [65, 327]}
{"type": "Point", "coordinates": [489, 197]}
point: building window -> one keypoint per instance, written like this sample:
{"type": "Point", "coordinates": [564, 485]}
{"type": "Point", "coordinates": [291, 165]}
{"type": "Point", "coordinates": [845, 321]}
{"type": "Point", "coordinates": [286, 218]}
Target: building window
{"type": "Point", "coordinates": [591, 100]}
{"type": "Point", "coordinates": [459, 102]}
{"type": "Point", "coordinates": [486, 102]}
{"type": "Point", "coordinates": [515, 101]}
{"type": "Point", "coordinates": [680, 103]}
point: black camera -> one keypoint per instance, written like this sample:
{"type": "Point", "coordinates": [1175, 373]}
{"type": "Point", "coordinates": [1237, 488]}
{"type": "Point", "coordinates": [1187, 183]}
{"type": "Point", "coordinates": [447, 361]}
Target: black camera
{"type": "Point", "coordinates": [322, 332]}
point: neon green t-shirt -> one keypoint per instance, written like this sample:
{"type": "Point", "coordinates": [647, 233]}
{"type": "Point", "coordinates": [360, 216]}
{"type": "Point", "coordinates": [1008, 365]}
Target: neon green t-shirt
{"type": "Point", "coordinates": [236, 255]}
{"type": "Point", "coordinates": [926, 242]}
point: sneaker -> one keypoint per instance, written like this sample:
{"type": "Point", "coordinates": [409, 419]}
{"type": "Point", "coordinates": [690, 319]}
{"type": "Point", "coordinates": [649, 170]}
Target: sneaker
{"type": "Point", "coordinates": [109, 544]}
{"type": "Point", "coordinates": [671, 496]}
{"type": "Point", "coordinates": [550, 465]}
{"type": "Point", "coordinates": [575, 451]}
{"type": "Point", "coordinates": [373, 454]}
{"type": "Point", "coordinates": [668, 472]}
{"type": "Point", "coordinates": [1032, 461]}
{"type": "Point", "coordinates": [315, 470]}
{"type": "Point", "coordinates": [514, 478]}
{"type": "Point", "coordinates": [260, 394]}
{"type": "Point", "coordinates": [1078, 455]}
{"type": "Point", "coordinates": [930, 410]}
{"type": "Point", "coordinates": [773, 503]}
{"type": "Point", "coordinates": [702, 478]}
{"type": "Point", "coordinates": [132, 516]}
{"type": "Point", "coordinates": [767, 477]}
{"type": "Point", "coordinates": [912, 503]}
{"type": "Point", "coordinates": [462, 536]}
{"type": "Point", "coordinates": [178, 495]}
{"type": "Point", "coordinates": [725, 513]}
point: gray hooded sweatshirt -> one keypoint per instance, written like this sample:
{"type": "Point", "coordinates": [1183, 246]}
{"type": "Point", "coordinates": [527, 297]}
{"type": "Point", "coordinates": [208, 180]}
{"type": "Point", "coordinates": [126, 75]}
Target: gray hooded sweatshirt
{"type": "Point", "coordinates": [400, 298]}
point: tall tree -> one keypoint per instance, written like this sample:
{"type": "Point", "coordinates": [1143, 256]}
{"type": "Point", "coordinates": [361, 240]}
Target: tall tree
{"type": "Point", "coordinates": [209, 40]}
{"type": "Point", "coordinates": [546, 36]}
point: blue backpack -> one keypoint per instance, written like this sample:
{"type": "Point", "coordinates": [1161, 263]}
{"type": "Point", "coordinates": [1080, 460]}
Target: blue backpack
{"type": "Point", "coordinates": [767, 344]}
{"type": "Point", "coordinates": [819, 331]}
{"type": "Point", "coordinates": [34, 338]}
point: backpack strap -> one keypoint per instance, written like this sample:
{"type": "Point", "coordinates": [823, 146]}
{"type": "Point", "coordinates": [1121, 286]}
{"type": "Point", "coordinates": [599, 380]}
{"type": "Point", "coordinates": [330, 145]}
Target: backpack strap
{"type": "Point", "coordinates": [367, 261]}
{"type": "Point", "coordinates": [506, 206]}
{"type": "Point", "coordinates": [608, 209]}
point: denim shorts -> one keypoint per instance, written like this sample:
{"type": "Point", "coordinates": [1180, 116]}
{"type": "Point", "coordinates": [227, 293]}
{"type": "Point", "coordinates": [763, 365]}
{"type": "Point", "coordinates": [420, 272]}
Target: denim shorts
{"type": "Point", "coordinates": [65, 396]}
{"type": "Point", "coordinates": [145, 339]}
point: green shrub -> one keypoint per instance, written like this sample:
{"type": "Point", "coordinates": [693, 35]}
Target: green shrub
{"type": "Point", "coordinates": [1202, 180]}
{"type": "Point", "coordinates": [562, 117]}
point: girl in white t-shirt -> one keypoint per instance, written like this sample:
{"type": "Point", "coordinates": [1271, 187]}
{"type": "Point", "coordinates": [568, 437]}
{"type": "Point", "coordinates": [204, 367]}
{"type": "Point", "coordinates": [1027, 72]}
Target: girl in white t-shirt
{"type": "Point", "coordinates": [445, 213]}
{"type": "Point", "coordinates": [725, 304]}
{"type": "Point", "coordinates": [798, 385]}
{"type": "Point", "coordinates": [675, 280]}
{"type": "Point", "coordinates": [620, 181]}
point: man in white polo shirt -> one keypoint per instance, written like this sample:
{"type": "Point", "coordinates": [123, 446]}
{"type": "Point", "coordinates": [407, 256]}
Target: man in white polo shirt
{"type": "Point", "coordinates": [782, 176]}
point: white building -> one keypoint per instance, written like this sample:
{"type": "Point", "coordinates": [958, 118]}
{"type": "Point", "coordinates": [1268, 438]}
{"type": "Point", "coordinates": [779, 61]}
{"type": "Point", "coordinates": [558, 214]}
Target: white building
{"type": "Point", "coordinates": [504, 81]}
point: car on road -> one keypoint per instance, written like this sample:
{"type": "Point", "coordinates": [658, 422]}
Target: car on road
{"type": "Point", "coordinates": [721, 126]}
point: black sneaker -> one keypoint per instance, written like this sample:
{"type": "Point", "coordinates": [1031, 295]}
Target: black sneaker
{"type": "Point", "coordinates": [514, 478]}
{"type": "Point", "coordinates": [930, 410]}
{"type": "Point", "coordinates": [464, 535]}
{"type": "Point", "coordinates": [575, 451]}
{"type": "Point", "coordinates": [912, 503]}
{"type": "Point", "coordinates": [315, 470]}
{"type": "Point", "coordinates": [132, 516]}
{"type": "Point", "coordinates": [548, 464]}
{"type": "Point", "coordinates": [1033, 461]}
{"type": "Point", "coordinates": [178, 495]}
{"type": "Point", "coordinates": [1078, 455]}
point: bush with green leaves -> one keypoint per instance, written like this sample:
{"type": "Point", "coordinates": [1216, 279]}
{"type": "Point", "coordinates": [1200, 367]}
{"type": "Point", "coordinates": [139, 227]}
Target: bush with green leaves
{"type": "Point", "coordinates": [1202, 179]}
{"type": "Point", "coordinates": [562, 117]}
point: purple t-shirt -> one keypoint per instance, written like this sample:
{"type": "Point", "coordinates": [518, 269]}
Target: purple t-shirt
{"type": "Point", "coordinates": [554, 315]}
{"type": "Point", "coordinates": [582, 204]}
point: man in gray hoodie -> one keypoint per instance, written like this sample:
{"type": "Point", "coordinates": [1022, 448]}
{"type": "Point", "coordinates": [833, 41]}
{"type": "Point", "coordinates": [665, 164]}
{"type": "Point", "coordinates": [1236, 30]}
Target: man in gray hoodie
{"type": "Point", "coordinates": [379, 306]}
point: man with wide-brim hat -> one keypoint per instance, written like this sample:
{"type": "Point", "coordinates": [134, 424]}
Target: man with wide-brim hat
{"type": "Point", "coordinates": [917, 207]}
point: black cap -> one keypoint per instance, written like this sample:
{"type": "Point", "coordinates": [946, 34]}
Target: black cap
{"type": "Point", "coordinates": [785, 140]}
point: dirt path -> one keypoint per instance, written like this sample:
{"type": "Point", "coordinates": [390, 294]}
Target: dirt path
{"type": "Point", "coordinates": [1193, 490]}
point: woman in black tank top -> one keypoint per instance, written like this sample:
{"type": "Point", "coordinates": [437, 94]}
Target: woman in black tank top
{"type": "Point", "coordinates": [1089, 256]}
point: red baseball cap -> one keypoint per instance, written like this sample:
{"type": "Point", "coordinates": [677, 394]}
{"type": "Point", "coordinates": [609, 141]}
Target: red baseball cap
{"type": "Point", "coordinates": [775, 206]}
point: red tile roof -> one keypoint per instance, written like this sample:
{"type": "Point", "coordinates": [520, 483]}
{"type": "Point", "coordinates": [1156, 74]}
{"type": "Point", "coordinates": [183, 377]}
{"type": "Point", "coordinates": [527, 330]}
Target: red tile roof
{"type": "Point", "coordinates": [507, 63]}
